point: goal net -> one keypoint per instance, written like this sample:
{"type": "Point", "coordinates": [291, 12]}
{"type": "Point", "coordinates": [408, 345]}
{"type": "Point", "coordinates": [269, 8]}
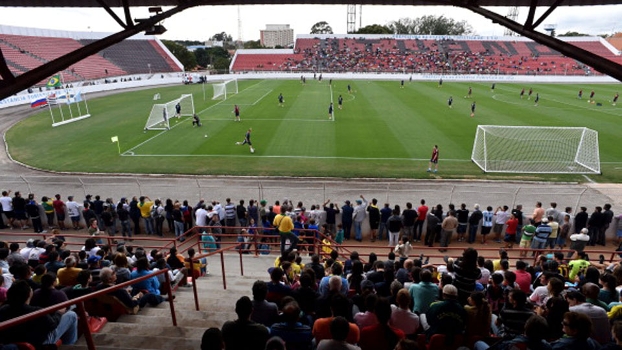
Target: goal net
{"type": "Point", "coordinates": [221, 90]}
{"type": "Point", "coordinates": [535, 149]}
{"type": "Point", "coordinates": [161, 113]}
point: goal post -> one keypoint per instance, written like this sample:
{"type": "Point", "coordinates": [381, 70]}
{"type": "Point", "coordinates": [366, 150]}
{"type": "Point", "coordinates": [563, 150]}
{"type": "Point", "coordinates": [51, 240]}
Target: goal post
{"type": "Point", "coordinates": [536, 149]}
{"type": "Point", "coordinates": [221, 90]}
{"type": "Point", "coordinates": [161, 113]}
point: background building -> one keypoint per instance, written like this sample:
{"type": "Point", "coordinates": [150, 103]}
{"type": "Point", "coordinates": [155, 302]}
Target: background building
{"type": "Point", "coordinates": [277, 35]}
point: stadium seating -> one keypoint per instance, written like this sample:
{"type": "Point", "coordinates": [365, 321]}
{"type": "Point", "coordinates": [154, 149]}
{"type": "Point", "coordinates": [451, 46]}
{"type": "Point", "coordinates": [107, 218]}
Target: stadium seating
{"type": "Point", "coordinates": [424, 56]}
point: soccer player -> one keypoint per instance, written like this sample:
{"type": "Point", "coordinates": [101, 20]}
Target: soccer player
{"type": "Point", "coordinates": [340, 102]}
{"type": "Point", "coordinates": [591, 100]}
{"type": "Point", "coordinates": [281, 100]}
{"type": "Point", "coordinates": [319, 80]}
{"type": "Point", "coordinates": [469, 93]}
{"type": "Point", "coordinates": [195, 120]}
{"type": "Point", "coordinates": [178, 110]}
{"type": "Point", "coordinates": [247, 140]}
{"type": "Point", "coordinates": [537, 99]}
{"type": "Point", "coordinates": [440, 82]}
{"type": "Point", "coordinates": [349, 89]}
{"type": "Point", "coordinates": [410, 80]}
{"type": "Point", "coordinates": [522, 93]}
{"type": "Point", "coordinates": [529, 93]}
{"type": "Point", "coordinates": [402, 84]}
{"type": "Point", "coordinates": [473, 109]}
{"type": "Point", "coordinates": [236, 111]}
{"type": "Point", "coordinates": [492, 87]}
{"type": "Point", "coordinates": [615, 98]}
{"type": "Point", "coordinates": [450, 101]}
{"type": "Point", "coordinates": [434, 159]}
{"type": "Point", "coordinates": [330, 111]}
{"type": "Point", "coordinates": [330, 82]}
{"type": "Point", "coordinates": [580, 96]}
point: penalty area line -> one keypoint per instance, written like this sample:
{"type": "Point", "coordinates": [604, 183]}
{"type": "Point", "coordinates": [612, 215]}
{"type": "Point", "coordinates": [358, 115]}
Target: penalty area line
{"type": "Point", "coordinates": [284, 157]}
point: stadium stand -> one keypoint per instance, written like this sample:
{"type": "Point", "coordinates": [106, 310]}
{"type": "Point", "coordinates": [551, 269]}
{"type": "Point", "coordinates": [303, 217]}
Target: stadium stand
{"type": "Point", "coordinates": [425, 54]}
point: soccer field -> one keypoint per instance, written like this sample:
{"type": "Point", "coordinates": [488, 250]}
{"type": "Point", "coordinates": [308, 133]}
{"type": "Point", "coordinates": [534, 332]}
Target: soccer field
{"type": "Point", "coordinates": [382, 131]}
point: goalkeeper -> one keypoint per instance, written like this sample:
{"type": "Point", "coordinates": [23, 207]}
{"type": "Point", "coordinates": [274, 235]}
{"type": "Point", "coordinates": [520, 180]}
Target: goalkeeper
{"type": "Point", "coordinates": [195, 120]}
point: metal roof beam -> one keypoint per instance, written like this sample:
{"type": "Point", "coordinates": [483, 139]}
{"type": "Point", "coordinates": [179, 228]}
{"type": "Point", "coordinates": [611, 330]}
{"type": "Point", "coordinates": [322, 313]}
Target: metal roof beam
{"type": "Point", "coordinates": [111, 13]}
{"type": "Point", "coordinates": [5, 72]}
{"type": "Point", "coordinates": [547, 13]}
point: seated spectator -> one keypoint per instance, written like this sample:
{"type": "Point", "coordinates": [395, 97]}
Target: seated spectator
{"type": "Point", "coordinates": [447, 316]}
{"type": "Point", "coordinates": [368, 317]}
{"type": "Point", "coordinates": [336, 269]}
{"type": "Point", "coordinates": [616, 332]}
{"type": "Point", "coordinates": [577, 328]}
{"type": "Point", "coordinates": [534, 337]}
{"type": "Point", "coordinates": [95, 268]}
{"type": "Point", "coordinates": [67, 276]}
{"type": "Point", "coordinates": [243, 333]}
{"type": "Point", "coordinates": [423, 293]}
{"type": "Point", "coordinates": [54, 264]}
{"type": "Point", "coordinates": [264, 312]}
{"type": "Point", "coordinates": [150, 285]}
{"type": "Point", "coordinates": [339, 306]}
{"type": "Point", "coordinates": [512, 318]}
{"type": "Point", "coordinates": [82, 286]}
{"type": "Point", "coordinates": [381, 336]}
{"type": "Point", "coordinates": [591, 292]}
{"type": "Point", "coordinates": [177, 263]}
{"type": "Point", "coordinates": [22, 272]}
{"type": "Point", "coordinates": [277, 287]}
{"type": "Point", "coordinates": [296, 335]}
{"type": "Point", "coordinates": [401, 316]}
{"type": "Point", "coordinates": [48, 295]}
{"type": "Point", "coordinates": [598, 316]}
{"type": "Point", "coordinates": [212, 339]}
{"type": "Point", "coordinates": [47, 329]}
{"type": "Point", "coordinates": [339, 330]}
{"type": "Point", "coordinates": [306, 295]}
{"type": "Point", "coordinates": [109, 279]}
{"type": "Point", "coordinates": [608, 292]}
{"type": "Point", "coordinates": [478, 316]}
{"type": "Point", "coordinates": [121, 267]}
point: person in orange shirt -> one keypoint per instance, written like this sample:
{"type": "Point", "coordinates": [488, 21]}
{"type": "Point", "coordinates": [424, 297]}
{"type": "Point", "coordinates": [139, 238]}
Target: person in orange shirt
{"type": "Point", "coordinates": [339, 306]}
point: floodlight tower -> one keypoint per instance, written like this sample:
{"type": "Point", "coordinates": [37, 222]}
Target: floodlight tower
{"type": "Point", "coordinates": [512, 15]}
{"type": "Point", "coordinates": [351, 20]}
{"type": "Point", "coordinates": [239, 25]}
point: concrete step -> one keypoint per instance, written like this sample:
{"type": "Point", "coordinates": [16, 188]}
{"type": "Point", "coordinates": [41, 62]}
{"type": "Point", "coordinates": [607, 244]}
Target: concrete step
{"type": "Point", "coordinates": [183, 320]}
{"type": "Point", "coordinates": [134, 329]}
{"type": "Point", "coordinates": [139, 341]}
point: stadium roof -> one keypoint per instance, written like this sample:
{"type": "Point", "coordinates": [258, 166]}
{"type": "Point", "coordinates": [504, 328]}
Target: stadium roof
{"type": "Point", "coordinates": [133, 3]}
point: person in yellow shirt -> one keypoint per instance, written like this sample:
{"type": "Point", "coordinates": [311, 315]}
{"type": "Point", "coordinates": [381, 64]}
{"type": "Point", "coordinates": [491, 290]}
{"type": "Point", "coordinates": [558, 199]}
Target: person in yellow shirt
{"type": "Point", "coordinates": [68, 275]}
{"type": "Point", "coordinates": [145, 204]}
{"type": "Point", "coordinates": [284, 224]}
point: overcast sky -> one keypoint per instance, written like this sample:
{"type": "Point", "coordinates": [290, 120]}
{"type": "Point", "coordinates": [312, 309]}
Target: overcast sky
{"type": "Point", "coordinates": [202, 22]}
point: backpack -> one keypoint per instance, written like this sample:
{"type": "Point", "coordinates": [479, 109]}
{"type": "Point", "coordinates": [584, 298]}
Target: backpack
{"type": "Point", "coordinates": [154, 211]}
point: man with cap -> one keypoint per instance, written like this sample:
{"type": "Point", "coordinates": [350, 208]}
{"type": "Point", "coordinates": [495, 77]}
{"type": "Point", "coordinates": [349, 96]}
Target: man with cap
{"type": "Point", "coordinates": [358, 216]}
{"type": "Point", "coordinates": [244, 333]}
{"type": "Point", "coordinates": [578, 241]}
{"type": "Point", "coordinates": [542, 235]}
{"type": "Point", "coordinates": [346, 219]}
{"type": "Point", "coordinates": [447, 316]}
{"type": "Point", "coordinates": [94, 262]}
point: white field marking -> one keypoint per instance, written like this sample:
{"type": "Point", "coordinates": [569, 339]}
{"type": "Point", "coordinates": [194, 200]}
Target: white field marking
{"type": "Point", "coordinates": [289, 157]}
{"type": "Point", "coordinates": [589, 180]}
{"type": "Point", "coordinates": [226, 104]}
{"type": "Point", "coordinates": [274, 119]}
{"type": "Point", "coordinates": [261, 98]}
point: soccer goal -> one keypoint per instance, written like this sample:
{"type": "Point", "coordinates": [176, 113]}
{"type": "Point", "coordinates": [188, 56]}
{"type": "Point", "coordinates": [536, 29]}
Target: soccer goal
{"type": "Point", "coordinates": [221, 90]}
{"type": "Point", "coordinates": [536, 149]}
{"type": "Point", "coordinates": [161, 113]}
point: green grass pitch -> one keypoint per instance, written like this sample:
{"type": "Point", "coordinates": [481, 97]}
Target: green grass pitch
{"type": "Point", "coordinates": [382, 131]}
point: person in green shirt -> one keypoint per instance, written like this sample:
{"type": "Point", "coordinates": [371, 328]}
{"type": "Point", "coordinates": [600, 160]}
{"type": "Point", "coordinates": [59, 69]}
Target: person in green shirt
{"type": "Point", "coordinates": [526, 237]}
{"type": "Point", "coordinates": [577, 266]}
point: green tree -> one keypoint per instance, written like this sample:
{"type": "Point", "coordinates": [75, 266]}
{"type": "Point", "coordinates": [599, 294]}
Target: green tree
{"type": "Point", "coordinates": [253, 44]}
{"type": "Point", "coordinates": [222, 36]}
{"type": "Point", "coordinates": [431, 25]}
{"type": "Point", "coordinates": [402, 26]}
{"type": "Point", "coordinates": [202, 57]}
{"type": "Point", "coordinates": [321, 28]}
{"type": "Point", "coordinates": [184, 56]}
{"type": "Point", "coordinates": [221, 63]}
{"type": "Point", "coordinates": [573, 34]}
{"type": "Point", "coordinates": [374, 29]}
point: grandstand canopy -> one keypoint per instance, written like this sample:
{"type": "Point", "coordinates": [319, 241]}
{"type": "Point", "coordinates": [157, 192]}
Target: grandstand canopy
{"type": "Point", "coordinates": [10, 84]}
{"type": "Point", "coordinates": [133, 3]}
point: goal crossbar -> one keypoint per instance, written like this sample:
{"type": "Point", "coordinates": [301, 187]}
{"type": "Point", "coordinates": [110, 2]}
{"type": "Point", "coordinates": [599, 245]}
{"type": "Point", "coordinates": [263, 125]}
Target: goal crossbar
{"type": "Point", "coordinates": [222, 90]}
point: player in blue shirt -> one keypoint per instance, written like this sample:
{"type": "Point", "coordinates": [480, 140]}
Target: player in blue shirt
{"type": "Point", "coordinates": [450, 102]}
{"type": "Point", "coordinates": [281, 100]}
{"type": "Point", "coordinates": [340, 102]}
{"type": "Point", "coordinates": [330, 111]}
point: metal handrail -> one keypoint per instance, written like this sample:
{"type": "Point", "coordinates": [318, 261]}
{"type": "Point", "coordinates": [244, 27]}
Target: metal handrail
{"type": "Point", "coordinates": [79, 302]}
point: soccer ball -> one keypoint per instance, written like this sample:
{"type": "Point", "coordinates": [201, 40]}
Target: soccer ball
{"type": "Point", "coordinates": [237, 143]}
{"type": "Point", "coordinates": [205, 135]}
{"type": "Point", "coordinates": [252, 150]}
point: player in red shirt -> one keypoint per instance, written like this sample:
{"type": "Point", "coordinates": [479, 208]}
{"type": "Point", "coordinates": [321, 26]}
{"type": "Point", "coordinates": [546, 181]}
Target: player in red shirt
{"type": "Point", "coordinates": [236, 111]}
{"type": "Point", "coordinates": [434, 159]}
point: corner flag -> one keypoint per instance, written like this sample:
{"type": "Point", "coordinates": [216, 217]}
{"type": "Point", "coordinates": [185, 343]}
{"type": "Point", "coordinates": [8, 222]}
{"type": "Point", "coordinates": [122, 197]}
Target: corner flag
{"type": "Point", "coordinates": [54, 81]}
{"type": "Point", "coordinates": [115, 139]}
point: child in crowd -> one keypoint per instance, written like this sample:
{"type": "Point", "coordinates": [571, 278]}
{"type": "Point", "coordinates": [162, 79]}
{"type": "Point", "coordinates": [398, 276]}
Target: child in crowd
{"type": "Point", "coordinates": [39, 271]}
{"type": "Point", "coordinates": [209, 242]}
{"type": "Point", "coordinates": [326, 245]}
{"type": "Point", "coordinates": [339, 237]}
{"type": "Point", "coordinates": [252, 230]}
{"type": "Point", "coordinates": [403, 249]}
{"type": "Point", "coordinates": [264, 248]}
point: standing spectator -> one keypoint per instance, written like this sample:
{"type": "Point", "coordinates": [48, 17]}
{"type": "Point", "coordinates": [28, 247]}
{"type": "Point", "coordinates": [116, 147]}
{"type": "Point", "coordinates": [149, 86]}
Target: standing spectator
{"type": "Point", "coordinates": [409, 216]}
{"type": "Point", "coordinates": [374, 218]}
{"type": "Point", "coordinates": [433, 222]}
{"type": "Point", "coordinates": [466, 273]}
{"type": "Point", "coordinates": [283, 223]}
{"type": "Point", "coordinates": [462, 215]}
{"type": "Point", "coordinates": [178, 221]}
{"type": "Point", "coordinates": [229, 216]}
{"type": "Point", "coordinates": [385, 214]}
{"type": "Point", "coordinates": [157, 214]}
{"type": "Point", "coordinates": [358, 216]}
{"type": "Point", "coordinates": [7, 207]}
{"type": "Point", "coordinates": [48, 208]}
{"type": "Point", "coordinates": [242, 214]}
{"type": "Point", "coordinates": [124, 218]}
{"type": "Point", "coordinates": [448, 226]}
{"type": "Point", "coordinates": [98, 208]}
{"type": "Point", "coordinates": [145, 205]}
{"type": "Point", "coordinates": [32, 209]}
{"type": "Point", "coordinates": [19, 210]}
{"type": "Point", "coordinates": [518, 214]}
{"type": "Point", "coordinates": [543, 231]}
{"type": "Point", "coordinates": [502, 216]}
{"type": "Point", "coordinates": [595, 224]}
{"type": "Point", "coordinates": [168, 210]}
{"type": "Point", "coordinates": [538, 214]}
{"type": "Point", "coordinates": [474, 219]}
{"type": "Point", "coordinates": [580, 220]}
{"type": "Point", "coordinates": [135, 214]}
{"type": "Point", "coordinates": [564, 230]}
{"type": "Point", "coordinates": [346, 219]}
{"type": "Point", "coordinates": [554, 232]}
{"type": "Point", "coordinates": [487, 216]}
{"type": "Point", "coordinates": [607, 218]}
{"type": "Point", "coordinates": [394, 225]}
{"type": "Point", "coordinates": [73, 209]}
{"type": "Point", "coordinates": [510, 231]}
{"type": "Point", "coordinates": [422, 212]}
